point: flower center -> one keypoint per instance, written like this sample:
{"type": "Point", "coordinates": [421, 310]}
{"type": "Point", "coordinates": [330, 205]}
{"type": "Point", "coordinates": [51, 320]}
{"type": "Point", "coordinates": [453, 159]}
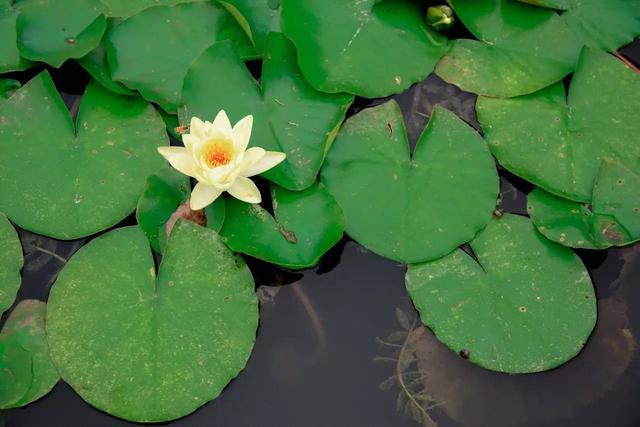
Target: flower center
{"type": "Point", "coordinates": [218, 153]}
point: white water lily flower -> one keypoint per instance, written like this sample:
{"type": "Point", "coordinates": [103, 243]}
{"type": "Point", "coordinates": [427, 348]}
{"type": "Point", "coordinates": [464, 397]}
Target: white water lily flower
{"type": "Point", "coordinates": [216, 155]}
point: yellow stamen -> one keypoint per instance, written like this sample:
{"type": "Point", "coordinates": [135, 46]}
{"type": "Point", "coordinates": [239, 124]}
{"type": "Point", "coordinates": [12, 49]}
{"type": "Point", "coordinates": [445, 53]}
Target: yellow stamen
{"type": "Point", "coordinates": [218, 153]}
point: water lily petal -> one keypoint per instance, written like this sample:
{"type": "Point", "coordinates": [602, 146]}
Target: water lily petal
{"type": "Point", "coordinates": [179, 158]}
{"type": "Point", "coordinates": [221, 124]}
{"type": "Point", "coordinates": [244, 189]}
{"type": "Point", "coordinates": [242, 133]}
{"type": "Point", "coordinates": [203, 195]}
{"type": "Point", "coordinates": [197, 127]}
{"type": "Point", "coordinates": [269, 160]}
{"type": "Point", "coordinates": [190, 140]}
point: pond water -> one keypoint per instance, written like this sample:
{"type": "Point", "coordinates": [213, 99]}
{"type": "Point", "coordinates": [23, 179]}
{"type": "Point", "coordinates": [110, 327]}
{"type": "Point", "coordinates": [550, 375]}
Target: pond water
{"type": "Point", "coordinates": [340, 345]}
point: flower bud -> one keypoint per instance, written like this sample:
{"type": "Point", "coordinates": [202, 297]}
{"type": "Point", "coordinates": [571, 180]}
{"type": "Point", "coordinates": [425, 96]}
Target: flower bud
{"type": "Point", "coordinates": [440, 18]}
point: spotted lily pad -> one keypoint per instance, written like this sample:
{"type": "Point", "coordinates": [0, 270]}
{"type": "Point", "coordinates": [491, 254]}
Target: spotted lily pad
{"type": "Point", "coordinates": [305, 225]}
{"type": "Point", "coordinates": [152, 349]}
{"type": "Point", "coordinates": [611, 219]}
{"type": "Point", "coordinates": [11, 262]}
{"type": "Point", "coordinates": [256, 17]}
{"type": "Point", "coordinates": [411, 207]}
{"type": "Point", "coordinates": [155, 62]}
{"type": "Point", "coordinates": [288, 114]}
{"type": "Point", "coordinates": [53, 31]}
{"type": "Point", "coordinates": [559, 142]}
{"type": "Point", "coordinates": [525, 305]}
{"type": "Point", "coordinates": [520, 49]}
{"type": "Point", "coordinates": [25, 328]}
{"type": "Point", "coordinates": [10, 59]}
{"type": "Point", "coordinates": [67, 182]}
{"type": "Point", "coordinates": [364, 47]}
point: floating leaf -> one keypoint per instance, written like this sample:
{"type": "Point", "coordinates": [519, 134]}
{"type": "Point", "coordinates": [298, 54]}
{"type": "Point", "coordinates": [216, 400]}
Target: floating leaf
{"type": "Point", "coordinates": [11, 262]}
{"type": "Point", "coordinates": [15, 373]}
{"type": "Point", "coordinates": [521, 49]}
{"type": "Point", "coordinates": [126, 8]}
{"type": "Point", "coordinates": [10, 59]}
{"type": "Point", "coordinates": [155, 62]}
{"type": "Point", "coordinates": [305, 225]}
{"type": "Point", "coordinates": [7, 87]}
{"type": "Point", "coordinates": [95, 63]}
{"type": "Point", "coordinates": [605, 24]}
{"type": "Point", "coordinates": [256, 17]}
{"type": "Point", "coordinates": [147, 349]}
{"type": "Point", "coordinates": [526, 304]}
{"type": "Point", "coordinates": [559, 142]}
{"type": "Point", "coordinates": [25, 328]}
{"type": "Point", "coordinates": [288, 114]}
{"type": "Point", "coordinates": [53, 31]}
{"type": "Point", "coordinates": [411, 208]}
{"type": "Point", "coordinates": [78, 180]}
{"type": "Point", "coordinates": [364, 47]}
{"type": "Point", "coordinates": [612, 218]}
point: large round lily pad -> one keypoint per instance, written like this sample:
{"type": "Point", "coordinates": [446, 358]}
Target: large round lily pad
{"type": "Point", "coordinates": [67, 182]}
{"type": "Point", "coordinates": [411, 208]}
{"type": "Point", "coordinates": [10, 263]}
{"type": "Point", "coordinates": [288, 114]}
{"type": "Point", "coordinates": [520, 49]}
{"type": "Point", "coordinates": [526, 305]}
{"type": "Point", "coordinates": [559, 142]}
{"type": "Point", "coordinates": [155, 62]}
{"type": "Point", "coordinates": [364, 47]}
{"type": "Point", "coordinates": [25, 328]}
{"type": "Point", "coordinates": [152, 349]}
{"type": "Point", "coordinates": [53, 31]}
{"type": "Point", "coordinates": [305, 225]}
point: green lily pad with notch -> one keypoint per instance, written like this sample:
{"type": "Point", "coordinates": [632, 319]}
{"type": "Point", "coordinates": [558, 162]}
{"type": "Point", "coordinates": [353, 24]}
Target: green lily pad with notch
{"type": "Point", "coordinates": [363, 47]}
{"type": "Point", "coordinates": [10, 59]}
{"type": "Point", "coordinates": [525, 305]}
{"type": "Point", "coordinates": [159, 348]}
{"type": "Point", "coordinates": [612, 218]}
{"type": "Point", "coordinates": [520, 49]}
{"type": "Point", "coordinates": [15, 373]}
{"type": "Point", "coordinates": [25, 328]}
{"type": "Point", "coordinates": [11, 262]}
{"type": "Point", "coordinates": [53, 31]}
{"type": "Point", "coordinates": [603, 24]}
{"type": "Point", "coordinates": [558, 142]}
{"type": "Point", "coordinates": [67, 181]}
{"type": "Point", "coordinates": [305, 225]}
{"type": "Point", "coordinates": [288, 114]}
{"type": "Point", "coordinates": [164, 192]}
{"type": "Point", "coordinates": [256, 17]}
{"type": "Point", "coordinates": [411, 207]}
{"type": "Point", "coordinates": [155, 62]}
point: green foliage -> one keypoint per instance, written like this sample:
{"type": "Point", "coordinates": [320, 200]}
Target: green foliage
{"type": "Point", "coordinates": [10, 263]}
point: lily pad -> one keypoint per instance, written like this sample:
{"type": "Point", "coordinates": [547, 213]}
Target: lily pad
{"type": "Point", "coordinates": [288, 114]}
{"type": "Point", "coordinates": [604, 24]}
{"type": "Point", "coordinates": [126, 8]}
{"type": "Point", "coordinates": [53, 31]}
{"type": "Point", "coordinates": [15, 373]}
{"type": "Point", "coordinates": [78, 180]}
{"type": "Point", "coordinates": [526, 305]}
{"type": "Point", "coordinates": [256, 17]}
{"type": "Point", "coordinates": [411, 208]}
{"type": "Point", "coordinates": [10, 59]}
{"type": "Point", "coordinates": [364, 47]}
{"type": "Point", "coordinates": [25, 328]}
{"type": "Point", "coordinates": [612, 218]}
{"type": "Point", "coordinates": [95, 63]}
{"type": "Point", "coordinates": [521, 49]}
{"type": "Point", "coordinates": [152, 349]}
{"type": "Point", "coordinates": [11, 262]}
{"type": "Point", "coordinates": [558, 142]}
{"type": "Point", "coordinates": [305, 225]}
{"type": "Point", "coordinates": [155, 62]}
{"type": "Point", "coordinates": [7, 87]}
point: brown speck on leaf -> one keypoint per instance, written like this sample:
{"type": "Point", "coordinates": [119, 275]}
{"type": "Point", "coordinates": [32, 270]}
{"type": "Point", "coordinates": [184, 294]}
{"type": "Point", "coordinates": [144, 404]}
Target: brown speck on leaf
{"type": "Point", "coordinates": [70, 40]}
{"type": "Point", "coordinates": [390, 129]}
{"type": "Point", "coordinates": [289, 235]}
{"type": "Point", "coordinates": [184, 211]}
{"type": "Point", "coordinates": [497, 213]}
{"type": "Point", "coordinates": [464, 353]}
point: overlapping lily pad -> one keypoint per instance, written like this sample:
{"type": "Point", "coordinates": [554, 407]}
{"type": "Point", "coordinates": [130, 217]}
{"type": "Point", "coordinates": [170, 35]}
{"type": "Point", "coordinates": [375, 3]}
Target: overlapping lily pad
{"type": "Point", "coordinates": [10, 59]}
{"type": "Point", "coordinates": [364, 47]}
{"type": "Point", "coordinates": [25, 329]}
{"type": "Point", "coordinates": [67, 182]}
{"type": "Point", "coordinates": [53, 31]}
{"type": "Point", "coordinates": [520, 49]}
{"type": "Point", "coordinates": [411, 208]}
{"type": "Point", "coordinates": [256, 17]}
{"type": "Point", "coordinates": [125, 8]}
{"type": "Point", "coordinates": [560, 144]}
{"type": "Point", "coordinates": [95, 63]}
{"type": "Point", "coordinates": [15, 373]}
{"type": "Point", "coordinates": [305, 225]}
{"type": "Point", "coordinates": [10, 263]}
{"type": "Point", "coordinates": [7, 87]}
{"type": "Point", "coordinates": [154, 61]}
{"type": "Point", "coordinates": [152, 349]}
{"type": "Point", "coordinates": [526, 305]}
{"type": "Point", "coordinates": [288, 114]}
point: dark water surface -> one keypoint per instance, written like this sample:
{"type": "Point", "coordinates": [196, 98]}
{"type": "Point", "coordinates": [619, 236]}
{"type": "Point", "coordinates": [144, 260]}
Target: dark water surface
{"type": "Point", "coordinates": [340, 345]}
